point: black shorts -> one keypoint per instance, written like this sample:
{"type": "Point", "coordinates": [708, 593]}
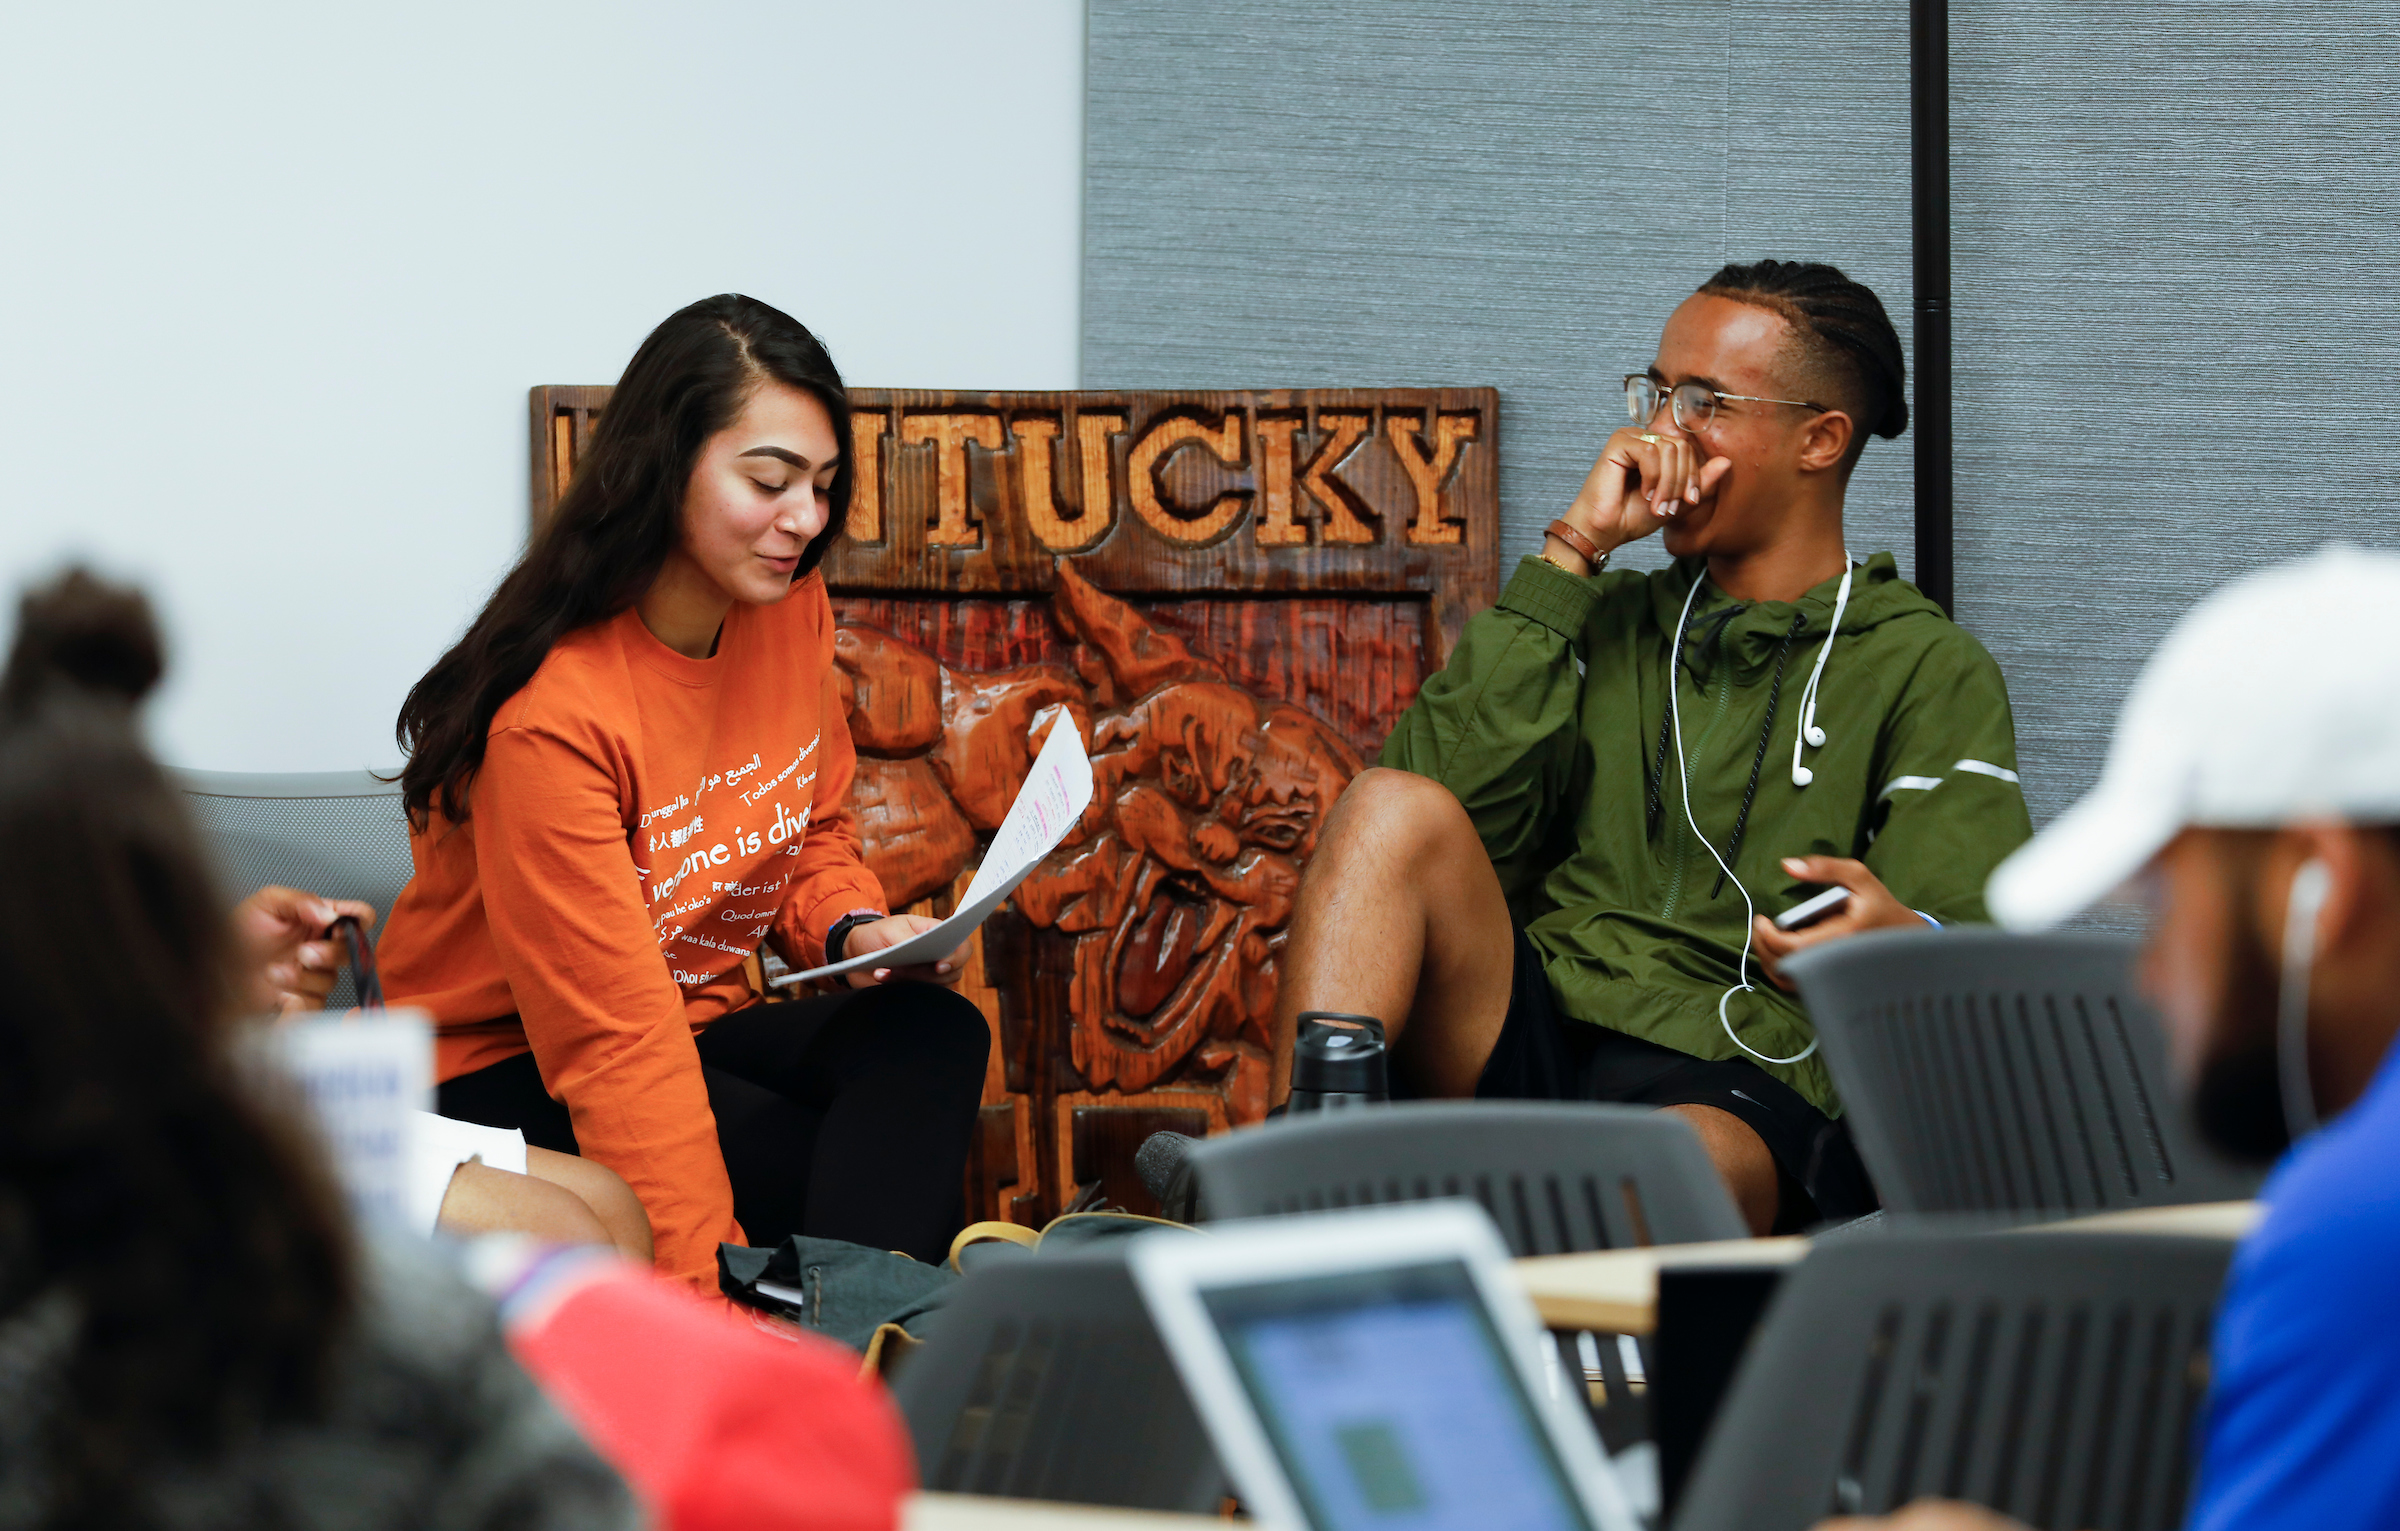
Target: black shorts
{"type": "Point", "coordinates": [1543, 1055]}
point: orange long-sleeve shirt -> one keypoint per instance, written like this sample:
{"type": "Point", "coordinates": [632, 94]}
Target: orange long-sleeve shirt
{"type": "Point", "coordinates": [641, 820]}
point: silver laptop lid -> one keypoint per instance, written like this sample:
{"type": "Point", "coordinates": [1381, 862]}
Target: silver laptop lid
{"type": "Point", "coordinates": [1377, 1370]}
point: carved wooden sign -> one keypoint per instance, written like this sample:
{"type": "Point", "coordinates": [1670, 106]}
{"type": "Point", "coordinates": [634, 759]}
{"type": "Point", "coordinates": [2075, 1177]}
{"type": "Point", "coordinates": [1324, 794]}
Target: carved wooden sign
{"type": "Point", "coordinates": [1234, 595]}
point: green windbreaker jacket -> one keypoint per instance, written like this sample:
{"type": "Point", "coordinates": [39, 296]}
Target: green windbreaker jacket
{"type": "Point", "coordinates": [1550, 723]}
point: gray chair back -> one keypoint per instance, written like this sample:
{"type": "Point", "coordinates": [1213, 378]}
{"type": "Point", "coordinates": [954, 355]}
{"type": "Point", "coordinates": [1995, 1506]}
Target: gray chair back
{"type": "Point", "coordinates": [338, 833]}
{"type": "Point", "coordinates": [1558, 1179]}
{"type": "Point", "coordinates": [1989, 1072]}
{"type": "Point", "coordinates": [2052, 1376]}
{"type": "Point", "coordinates": [1045, 1379]}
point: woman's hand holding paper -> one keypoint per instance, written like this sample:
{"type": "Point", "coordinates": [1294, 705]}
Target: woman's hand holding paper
{"type": "Point", "coordinates": [889, 931]}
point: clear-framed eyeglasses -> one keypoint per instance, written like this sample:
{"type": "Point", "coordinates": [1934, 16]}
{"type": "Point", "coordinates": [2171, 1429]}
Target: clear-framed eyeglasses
{"type": "Point", "coordinates": [1695, 404]}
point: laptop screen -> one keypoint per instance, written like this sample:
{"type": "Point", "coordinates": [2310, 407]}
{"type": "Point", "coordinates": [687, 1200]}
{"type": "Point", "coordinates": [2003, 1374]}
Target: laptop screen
{"type": "Point", "coordinates": [1391, 1402]}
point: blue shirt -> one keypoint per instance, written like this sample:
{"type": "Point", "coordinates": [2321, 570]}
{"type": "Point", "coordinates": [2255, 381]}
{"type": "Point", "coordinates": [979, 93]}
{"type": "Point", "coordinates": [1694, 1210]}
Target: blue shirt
{"type": "Point", "coordinates": [2304, 1415]}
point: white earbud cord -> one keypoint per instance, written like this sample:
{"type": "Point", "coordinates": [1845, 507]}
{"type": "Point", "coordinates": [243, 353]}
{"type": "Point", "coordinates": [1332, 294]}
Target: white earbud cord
{"type": "Point", "coordinates": [1809, 734]}
{"type": "Point", "coordinates": [1684, 776]}
{"type": "Point", "coordinates": [2309, 886]}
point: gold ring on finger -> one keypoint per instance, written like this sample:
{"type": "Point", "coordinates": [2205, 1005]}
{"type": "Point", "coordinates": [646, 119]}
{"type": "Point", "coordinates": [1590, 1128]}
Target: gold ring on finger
{"type": "Point", "coordinates": [1652, 439]}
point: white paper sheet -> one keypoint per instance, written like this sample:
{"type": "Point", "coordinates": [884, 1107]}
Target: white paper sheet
{"type": "Point", "coordinates": [1056, 792]}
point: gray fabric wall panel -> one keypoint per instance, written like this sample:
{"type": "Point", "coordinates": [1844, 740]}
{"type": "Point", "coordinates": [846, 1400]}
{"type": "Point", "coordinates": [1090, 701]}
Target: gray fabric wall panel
{"type": "Point", "coordinates": [1281, 194]}
{"type": "Point", "coordinates": [1816, 167]}
{"type": "Point", "coordinates": [2161, 215]}
{"type": "Point", "coordinates": [2169, 221]}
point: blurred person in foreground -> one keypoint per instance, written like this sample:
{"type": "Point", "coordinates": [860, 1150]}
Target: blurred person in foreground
{"type": "Point", "coordinates": [2254, 789]}
{"type": "Point", "coordinates": [464, 1180]}
{"type": "Point", "coordinates": [717, 1420]}
{"type": "Point", "coordinates": [721, 1420]}
{"type": "Point", "coordinates": [190, 1333]}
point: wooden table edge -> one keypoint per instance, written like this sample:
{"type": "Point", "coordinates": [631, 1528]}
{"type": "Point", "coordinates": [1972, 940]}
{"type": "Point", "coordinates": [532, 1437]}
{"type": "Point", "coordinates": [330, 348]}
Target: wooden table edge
{"type": "Point", "coordinates": [928, 1511]}
{"type": "Point", "coordinates": [1616, 1290]}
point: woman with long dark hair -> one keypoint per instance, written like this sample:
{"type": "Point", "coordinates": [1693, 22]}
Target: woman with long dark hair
{"type": "Point", "coordinates": [633, 768]}
{"type": "Point", "coordinates": [189, 1336]}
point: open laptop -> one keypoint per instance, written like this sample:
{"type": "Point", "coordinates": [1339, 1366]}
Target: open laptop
{"type": "Point", "coordinates": [1376, 1370]}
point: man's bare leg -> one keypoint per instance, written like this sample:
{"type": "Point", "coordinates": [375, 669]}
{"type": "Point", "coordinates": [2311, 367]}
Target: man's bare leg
{"type": "Point", "coordinates": [1400, 917]}
{"type": "Point", "coordinates": [1741, 1158]}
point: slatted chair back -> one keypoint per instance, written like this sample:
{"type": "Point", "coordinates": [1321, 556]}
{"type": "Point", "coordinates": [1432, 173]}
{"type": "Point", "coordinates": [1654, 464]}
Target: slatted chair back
{"type": "Point", "coordinates": [1990, 1072]}
{"type": "Point", "coordinates": [341, 834]}
{"type": "Point", "coordinates": [1558, 1179]}
{"type": "Point", "coordinates": [2049, 1375]}
{"type": "Point", "coordinates": [1044, 1379]}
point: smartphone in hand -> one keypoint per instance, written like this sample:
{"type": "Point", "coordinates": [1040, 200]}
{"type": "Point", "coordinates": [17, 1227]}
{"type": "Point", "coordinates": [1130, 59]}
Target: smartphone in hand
{"type": "Point", "coordinates": [1810, 910]}
{"type": "Point", "coordinates": [368, 982]}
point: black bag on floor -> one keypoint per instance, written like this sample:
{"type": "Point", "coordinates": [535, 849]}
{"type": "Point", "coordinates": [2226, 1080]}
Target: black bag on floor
{"type": "Point", "coordinates": [849, 1292]}
{"type": "Point", "coordinates": [843, 1291]}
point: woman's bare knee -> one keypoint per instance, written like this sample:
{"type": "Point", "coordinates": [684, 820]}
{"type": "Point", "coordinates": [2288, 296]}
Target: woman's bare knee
{"type": "Point", "coordinates": [600, 1188]}
{"type": "Point", "coordinates": [484, 1200]}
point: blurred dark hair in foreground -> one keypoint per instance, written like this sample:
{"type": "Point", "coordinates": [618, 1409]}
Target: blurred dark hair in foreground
{"type": "Point", "coordinates": [189, 1335]}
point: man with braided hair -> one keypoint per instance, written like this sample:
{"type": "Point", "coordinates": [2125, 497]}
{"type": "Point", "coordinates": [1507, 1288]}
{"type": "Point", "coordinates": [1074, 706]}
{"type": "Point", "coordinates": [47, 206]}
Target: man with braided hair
{"type": "Point", "coordinates": [1559, 884]}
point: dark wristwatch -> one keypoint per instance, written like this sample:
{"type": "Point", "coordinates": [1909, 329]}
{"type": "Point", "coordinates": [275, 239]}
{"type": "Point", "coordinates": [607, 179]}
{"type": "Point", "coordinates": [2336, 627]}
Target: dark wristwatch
{"type": "Point", "coordinates": [839, 936]}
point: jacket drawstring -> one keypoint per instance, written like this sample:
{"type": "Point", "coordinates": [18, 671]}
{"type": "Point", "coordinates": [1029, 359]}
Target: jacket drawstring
{"type": "Point", "coordinates": [1741, 822]}
{"type": "Point", "coordinates": [1701, 642]}
{"type": "Point", "coordinates": [1658, 772]}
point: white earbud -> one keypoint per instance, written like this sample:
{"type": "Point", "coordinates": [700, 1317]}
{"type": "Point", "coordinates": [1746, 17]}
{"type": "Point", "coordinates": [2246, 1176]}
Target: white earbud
{"type": "Point", "coordinates": [2309, 886]}
{"type": "Point", "coordinates": [1809, 735]}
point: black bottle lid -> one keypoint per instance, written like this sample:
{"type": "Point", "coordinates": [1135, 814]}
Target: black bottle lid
{"type": "Point", "coordinates": [1339, 1054]}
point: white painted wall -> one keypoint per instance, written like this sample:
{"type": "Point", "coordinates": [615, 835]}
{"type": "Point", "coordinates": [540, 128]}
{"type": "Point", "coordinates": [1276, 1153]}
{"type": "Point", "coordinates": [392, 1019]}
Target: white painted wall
{"type": "Point", "coordinates": [274, 280]}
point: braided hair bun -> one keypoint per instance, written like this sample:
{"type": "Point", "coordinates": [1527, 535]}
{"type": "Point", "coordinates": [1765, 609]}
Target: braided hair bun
{"type": "Point", "coordinates": [78, 634]}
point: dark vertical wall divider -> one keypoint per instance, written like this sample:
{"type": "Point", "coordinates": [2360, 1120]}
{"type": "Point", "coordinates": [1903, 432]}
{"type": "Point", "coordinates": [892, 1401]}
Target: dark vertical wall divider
{"type": "Point", "coordinates": [1929, 239]}
{"type": "Point", "coordinates": [2173, 292]}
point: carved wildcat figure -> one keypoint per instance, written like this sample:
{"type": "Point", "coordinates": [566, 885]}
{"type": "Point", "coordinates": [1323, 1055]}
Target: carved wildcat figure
{"type": "Point", "coordinates": [1179, 881]}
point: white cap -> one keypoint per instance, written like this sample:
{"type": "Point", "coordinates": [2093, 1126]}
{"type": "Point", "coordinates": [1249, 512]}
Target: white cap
{"type": "Point", "coordinates": [2274, 700]}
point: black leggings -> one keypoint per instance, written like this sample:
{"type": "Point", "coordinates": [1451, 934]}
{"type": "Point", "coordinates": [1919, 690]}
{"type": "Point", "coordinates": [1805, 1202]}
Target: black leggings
{"type": "Point", "coordinates": [846, 1116]}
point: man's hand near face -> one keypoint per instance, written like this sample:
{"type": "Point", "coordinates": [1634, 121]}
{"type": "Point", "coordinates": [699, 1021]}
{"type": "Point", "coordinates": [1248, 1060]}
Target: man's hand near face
{"type": "Point", "coordinates": [1644, 476]}
{"type": "Point", "coordinates": [1871, 907]}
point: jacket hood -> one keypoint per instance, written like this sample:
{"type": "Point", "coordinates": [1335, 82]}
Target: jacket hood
{"type": "Point", "coordinates": [1751, 632]}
